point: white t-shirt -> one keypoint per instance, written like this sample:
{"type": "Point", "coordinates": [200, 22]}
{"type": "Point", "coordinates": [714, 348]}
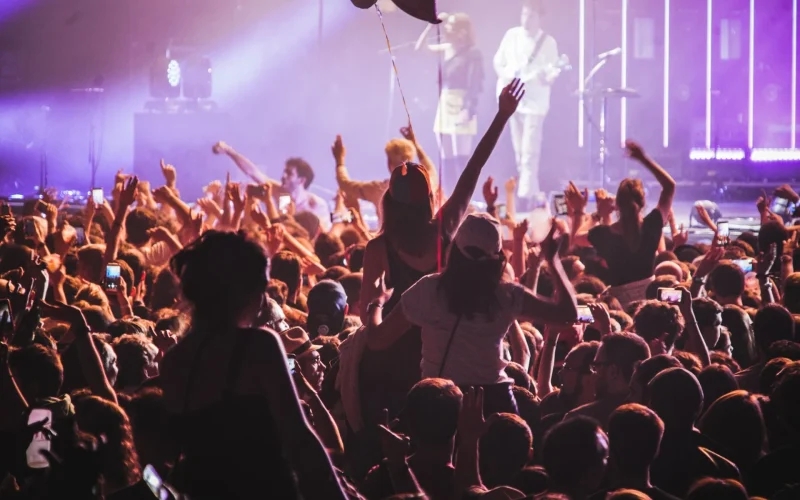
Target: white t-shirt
{"type": "Point", "coordinates": [513, 59]}
{"type": "Point", "coordinates": [317, 206]}
{"type": "Point", "coordinates": [475, 356]}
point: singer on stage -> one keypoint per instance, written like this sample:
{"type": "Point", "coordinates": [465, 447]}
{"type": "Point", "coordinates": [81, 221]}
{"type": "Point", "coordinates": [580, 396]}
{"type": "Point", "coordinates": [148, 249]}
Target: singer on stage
{"type": "Point", "coordinates": [456, 122]}
{"type": "Point", "coordinates": [527, 52]}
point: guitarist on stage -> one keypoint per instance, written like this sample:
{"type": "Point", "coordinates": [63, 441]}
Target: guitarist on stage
{"type": "Point", "coordinates": [528, 53]}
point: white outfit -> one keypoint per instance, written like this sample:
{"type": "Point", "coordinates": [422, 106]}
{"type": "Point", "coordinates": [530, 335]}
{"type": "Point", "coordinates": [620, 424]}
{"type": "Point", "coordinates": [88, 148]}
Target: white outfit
{"type": "Point", "coordinates": [475, 356]}
{"type": "Point", "coordinates": [514, 60]}
{"type": "Point", "coordinates": [309, 202]}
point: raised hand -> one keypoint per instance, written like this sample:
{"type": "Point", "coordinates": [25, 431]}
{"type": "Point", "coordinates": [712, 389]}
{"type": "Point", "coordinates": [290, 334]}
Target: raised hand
{"type": "Point", "coordinates": [210, 207]}
{"type": "Point", "coordinates": [602, 320]}
{"type": "Point", "coordinates": [766, 260]}
{"type": "Point", "coordinates": [169, 172]}
{"type": "Point", "coordinates": [235, 194]}
{"type": "Point", "coordinates": [510, 97]}
{"type": "Point", "coordinates": [128, 194]}
{"type": "Point", "coordinates": [786, 191]}
{"type": "Point", "coordinates": [606, 203]}
{"type": "Point", "coordinates": [511, 186]}
{"type": "Point", "coordinates": [471, 424]}
{"type": "Point", "coordinates": [634, 150]}
{"type": "Point", "coordinates": [576, 200]}
{"type": "Point", "coordinates": [220, 148]}
{"type": "Point", "coordinates": [520, 231]}
{"type": "Point", "coordinates": [163, 339]}
{"type": "Point", "coordinates": [120, 178]}
{"type": "Point", "coordinates": [162, 194]}
{"type": "Point", "coordinates": [60, 311]}
{"type": "Point", "coordinates": [408, 133]}
{"type": "Point", "coordinates": [395, 447]}
{"type": "Point", "coordinates": [709, 262]}
{"type": "Point", "coordinates": [259, 217]}
{"type": "Point", "coordinates": [384, 294]}
{"type": "Point", "coordinates": [490, 192]}
{"type": "Point", "coordinates": [339, 151]}
{"type": "Point", "coordinates": [274, 238]}
{"type": "Point", "coordinates": [549, 245]}
{"type": "Point", "coordinates": [763, 202]}
{"type": "Point", "coordinates": [681, 237]}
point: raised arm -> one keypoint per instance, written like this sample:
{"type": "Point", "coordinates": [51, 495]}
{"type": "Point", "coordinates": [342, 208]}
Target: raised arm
{"type": "Point", "coordinates": [316, 477]}
{"type": "Point", "coordinates": [245, 165]}
{"type": "Point", "coordinates": [455, 207]}
{"type": "Point", "coordinates": [370, 191]}
{"type": "Point", "coordinates": [562, 309]}
{"type": "Point", "coordinates": [636, 152]}
{"type": "Point", "coordinates": [113, 240]}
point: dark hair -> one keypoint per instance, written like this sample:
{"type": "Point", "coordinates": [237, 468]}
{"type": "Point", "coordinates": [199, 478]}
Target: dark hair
{"type": "Point", "coordinates": [517, 373]}
{"type": "Point", "coordinates": [592, 285]}
{"type": "Point", "coordinates": [287, 267]}
{"type": "Point", "coordinates": [303, 170]}
{"type": "Point", "coordinates": [407, 226]}
{"type": "Point", "coordinates": [165, 290]}
{"type": "Point", "coordinates": [624, 319]}
{"type": "Point", "coordinates": [634, 432]}
{"type": "Point", "coordinates": [352, 287]}
{"type": "Point", "coordinates": [220, 273]}
{"type": "Point", "coordinates": [137, 224]}
{"type": "Point", "coordinates": [127, 326]}
{"type": "Point", "coordinates": [433, 406]}
{"type": "Point", "coordinates": [625, 350]}
{"type": "Point", "coordinates": [505, 448]}
{"type": "Point", "coordinates": [135, 261]}
{"type": "Point", "coordinates": [630, 201]}
{"type": "Point", "coordinates": [785, 396]}
{"type": "Point", "coordinates": [470, 285]}
{"type": "Point", "coordinates": [328, 246]}
{"type": "Point", "coordinates": [649, 368]}
{"type": "Point", "coordinates": [772, 233]}
{"type": "Point", "coordinates": [148, 411]}
{"type": "Point", "coordinates": [334, 273]}
{"type": "Point", "coordinates": [726, 280]}
{"type": "Point", "coordinates": [676, 396]}
{"type": "Point", "coordinates": [716, 381]}
{"type": "Point", "coordinates": [784, 349]}
{"type": "Point", "coordinates": [529, 410]}
{"type": "Point", "coordinates": [689, 360]}
{"type": "Point", "coordinates": [99, 417]}
{"type": "Point", "coordinates": [769, 374]}
{"type": "Point", "coordinates": [791, 293]}
{"type": "Point", "coordinates": [655, 320]}
{"type": "Point", "coordinates": [738, 323]}
{"type": "Point", "coordinates": [771, 324]}
{"type": "Point", "coordinates": [706, 311]}
{"type": "Point", "coordinates": [717, 489]}
{"type": "Point", "coordinates": [278, 291]}
{"type": "Point", "coordinates": [134, 354]}
{"type": "Point", "coordinates": [37, 370]}
{"type": "Point", "coordinates": [734, 422]}
{"type": "Point", "coordinates": [356, 263]}
{"type": "Point", "coordinates": [571, 451]}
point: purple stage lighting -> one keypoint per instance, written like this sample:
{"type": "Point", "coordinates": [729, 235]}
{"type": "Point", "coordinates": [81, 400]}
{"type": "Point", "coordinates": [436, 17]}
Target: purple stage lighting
{"type": "Point", "coordinates": [768, 155]}
{"type": "Point", "coordinates": [722, 154]}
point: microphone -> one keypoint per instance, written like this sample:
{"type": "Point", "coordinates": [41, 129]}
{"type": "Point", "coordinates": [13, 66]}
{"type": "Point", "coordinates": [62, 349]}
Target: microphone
{"type": "Point", "coordinates": [610, 53]}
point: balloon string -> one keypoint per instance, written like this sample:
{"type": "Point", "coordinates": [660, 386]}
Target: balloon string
{"type": "Point", "coordinates": [440, 194]}
{"type": "Point", "coordinates": [394, 63]}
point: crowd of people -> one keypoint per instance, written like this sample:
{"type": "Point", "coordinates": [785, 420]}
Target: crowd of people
{"type": "Point", "coordinates": [256, 344]}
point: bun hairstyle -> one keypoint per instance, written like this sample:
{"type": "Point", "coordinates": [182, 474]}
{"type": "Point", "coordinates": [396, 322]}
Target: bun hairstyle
{"type": "Point", "coordinates": [220, 273]}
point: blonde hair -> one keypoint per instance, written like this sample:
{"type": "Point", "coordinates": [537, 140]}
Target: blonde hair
{"type": "Point", "coordinates": [399, 151]}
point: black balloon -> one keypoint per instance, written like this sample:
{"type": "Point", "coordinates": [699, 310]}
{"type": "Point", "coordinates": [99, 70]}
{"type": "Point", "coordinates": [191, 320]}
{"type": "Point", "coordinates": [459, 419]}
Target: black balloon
{"type": "Point", "coordinates": [424, 10]}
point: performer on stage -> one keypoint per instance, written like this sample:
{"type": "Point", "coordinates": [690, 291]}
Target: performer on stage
{"type": "Point", "coordinates": [456, 122]}
{"type": "Point", "coordinates": [528, 53]}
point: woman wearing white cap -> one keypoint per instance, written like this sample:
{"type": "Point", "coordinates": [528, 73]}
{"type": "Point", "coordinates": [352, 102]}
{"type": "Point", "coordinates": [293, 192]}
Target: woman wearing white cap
{"type": "Point", "coordinates": [465, 312]}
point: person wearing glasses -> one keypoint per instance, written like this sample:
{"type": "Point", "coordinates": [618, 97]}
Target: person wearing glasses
{"type": "Point", "coordinates": [613, 367]}
{"type": "Point", "coordinates": [575, 376]}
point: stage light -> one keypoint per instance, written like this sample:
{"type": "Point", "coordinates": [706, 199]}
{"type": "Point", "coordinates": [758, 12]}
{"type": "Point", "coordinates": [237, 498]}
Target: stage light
{"type": "Point", "coordinates": [722, 154]}
{"type": "Point", "coordinates": [173, 73]}
{"type": "Point", "coordinates": [709, 23]}
{"type": "Point", "coordinates": [581, 68]}
{"type": "Point", "coordinates": [666, 71]}
{"type": "Point", "coordinates": [165, 78]}
{"type": "Point", "coordinates": [751, 74]}
{"type": "Point", "coordinates": [197, 78]}
{"type": "Point", "coordinates": [774, 154]}
{"type": "Point", "coordinates": [794, 75]}
{"type": "Point", "coordinates": [623, 120]}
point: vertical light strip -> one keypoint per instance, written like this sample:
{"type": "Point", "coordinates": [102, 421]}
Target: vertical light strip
{"type": "Point", "coordinates": [708, 72]}
{"type": "Point", "coordinates": [750, 74]}
{"type": "Point", "coordinates": [666, 72]}
{"type": "Point", "coordinates": [623, 116]}
{"type": "Point", "coordinates": [582, 67]}
{"type": "Point", "coordinates": [794, 75]}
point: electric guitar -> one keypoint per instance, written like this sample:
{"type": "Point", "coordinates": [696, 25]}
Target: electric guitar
{"type": "Point", "coordinates": [528, 75]}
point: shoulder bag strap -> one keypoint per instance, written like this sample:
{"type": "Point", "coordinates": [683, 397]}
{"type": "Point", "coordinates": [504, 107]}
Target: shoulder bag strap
{"type": "Point", "coordinates": [449, 343]}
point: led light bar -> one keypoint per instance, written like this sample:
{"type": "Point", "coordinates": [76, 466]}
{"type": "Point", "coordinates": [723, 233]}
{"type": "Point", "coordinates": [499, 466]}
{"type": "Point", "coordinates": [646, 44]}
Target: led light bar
{"type": "Point", "coordinates": [581, 67]}
{"type": "Point", "coordinates": [722, 154]}
{"type": "Point", "coordinates": [666, 71]}
{"type": "Point", "coordinates": [774, 154]}
{"type": "Point", "coordinates": [751, 74]}
{"type": "Point", "coordinates": [710, 10]}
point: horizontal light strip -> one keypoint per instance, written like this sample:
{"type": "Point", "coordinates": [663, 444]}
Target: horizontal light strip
{"type": "Point", "coordinates": [723, 154]}
{"type": "Point", "coordinates": [771, 154]}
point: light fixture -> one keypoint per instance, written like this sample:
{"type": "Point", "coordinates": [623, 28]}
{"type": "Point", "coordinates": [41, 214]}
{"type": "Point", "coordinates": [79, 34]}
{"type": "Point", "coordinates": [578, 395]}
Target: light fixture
{"type": "Point", "coordinates": [197, 77]}
{"type": "Point", "coordinates": [165, 78]}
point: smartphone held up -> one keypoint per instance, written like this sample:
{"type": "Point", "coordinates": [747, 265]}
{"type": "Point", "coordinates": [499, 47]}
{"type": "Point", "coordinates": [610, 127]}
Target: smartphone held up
{"type": "Point", "coordinates": [670, 295]}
